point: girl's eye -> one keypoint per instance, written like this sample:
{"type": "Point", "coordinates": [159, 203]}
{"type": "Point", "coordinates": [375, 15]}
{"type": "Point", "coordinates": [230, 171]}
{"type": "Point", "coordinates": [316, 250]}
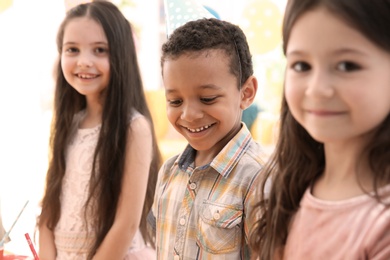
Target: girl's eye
{"type": "Point", "coordinates": [348, 66]}
{"type": "Point", "coordinates": [175, 102]}
{"type": "Point", "coordinates": [208, 100]}
{"type": "Point", "coordinates": [101, 50]}
{"type": "Point", "coordinates": [71, 50]}
{"type": "Point", "coordinates": [300, 66]}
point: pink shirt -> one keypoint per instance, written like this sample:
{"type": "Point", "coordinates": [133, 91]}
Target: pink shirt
{"type": "Point", "coordinates": [357, 228]}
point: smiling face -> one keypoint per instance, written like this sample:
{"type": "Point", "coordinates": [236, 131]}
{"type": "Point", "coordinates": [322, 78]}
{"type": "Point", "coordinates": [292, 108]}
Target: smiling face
{"type": "Point", "coordinates": [85, 58]}
{"type": "Point", "coordinates": [203, 101]}
{"type": "Point", "coordinates": [337, 82]}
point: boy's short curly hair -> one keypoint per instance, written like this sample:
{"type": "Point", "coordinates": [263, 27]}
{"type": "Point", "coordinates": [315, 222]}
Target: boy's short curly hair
{"type": "Point", "coordinates": [205, 34]}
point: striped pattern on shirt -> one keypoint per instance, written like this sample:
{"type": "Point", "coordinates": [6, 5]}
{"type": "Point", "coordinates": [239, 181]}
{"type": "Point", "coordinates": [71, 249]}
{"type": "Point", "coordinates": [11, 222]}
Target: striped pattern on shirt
{"type": "Point", "coordinates": [206, 212]}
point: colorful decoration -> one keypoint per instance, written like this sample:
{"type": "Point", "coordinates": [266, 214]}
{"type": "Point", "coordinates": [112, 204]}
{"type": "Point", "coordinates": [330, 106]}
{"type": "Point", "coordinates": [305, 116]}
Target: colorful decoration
{"type": "Point", "coordinates": [5, 4]}
{"type": "Point", "coordinates": [262, 26]}
{"type": "Point", "coordinates": [212, 11]}
{"type": "Point", "coordinates": [178, 12]}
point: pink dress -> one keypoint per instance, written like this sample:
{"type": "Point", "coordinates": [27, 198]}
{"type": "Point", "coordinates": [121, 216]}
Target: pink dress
{"type": "Point", "coordinates": [71, 238]}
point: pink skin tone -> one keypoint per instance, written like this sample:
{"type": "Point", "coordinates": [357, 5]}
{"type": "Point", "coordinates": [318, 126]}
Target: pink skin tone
{"type": "Point", "coordinates": [337, 86]}
{"type": "Point", "coordinates": [85, 62]}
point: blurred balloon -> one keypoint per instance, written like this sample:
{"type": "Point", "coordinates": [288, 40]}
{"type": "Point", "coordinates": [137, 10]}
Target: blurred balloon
{"type": "Point", "coordinates": [262, 25]}
{"type": "Point", "coordinates": [178, 12]}
{"type": "Point", "coordinates": [4, 4]}
{"type": "Point", "coordinates": [212, 11]}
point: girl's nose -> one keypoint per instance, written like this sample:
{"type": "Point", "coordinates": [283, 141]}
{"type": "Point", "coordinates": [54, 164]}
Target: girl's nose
{"type": "Point", "coordinates": [320, 84]}
{"type": "Point", "coordinates": [191, 112]}
{"type": "Point", "coordinates": [84, 61]}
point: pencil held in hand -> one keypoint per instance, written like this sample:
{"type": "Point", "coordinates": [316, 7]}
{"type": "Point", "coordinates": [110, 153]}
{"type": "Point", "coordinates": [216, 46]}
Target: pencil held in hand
{"type": "Point", "coordinates": [31, 245]}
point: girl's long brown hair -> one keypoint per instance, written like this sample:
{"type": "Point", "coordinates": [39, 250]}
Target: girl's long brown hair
{"type": "Point", "coordinates": [298, 159]}
{"type": "Point", "coordinates": [124, 94]}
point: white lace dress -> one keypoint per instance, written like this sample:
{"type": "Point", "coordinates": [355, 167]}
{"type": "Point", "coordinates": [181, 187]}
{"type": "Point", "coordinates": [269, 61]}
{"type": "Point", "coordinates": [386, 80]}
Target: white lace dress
{"type": "Point", "coordinates": [71, 238]}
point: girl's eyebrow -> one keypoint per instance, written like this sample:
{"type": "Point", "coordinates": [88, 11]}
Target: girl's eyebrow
{"type": "Point", "coordinates": [100, 43]}
{"type": "Point", "coordinates": [68, 43]}
{"type": "Point", "coordinates": [336, 52]}
{"type": "Point", "coordinates": [295, 53]}
{"type": "Point", "coordinates": [94, 43]}
{"type": "Point", "coordinates": [350, 51]}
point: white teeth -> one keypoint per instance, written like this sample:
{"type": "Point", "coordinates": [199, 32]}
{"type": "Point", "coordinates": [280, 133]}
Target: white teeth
{"type": "Point", "coordinates": [86, 76]}
{"type": "Point", "coordinates": [198, 129]}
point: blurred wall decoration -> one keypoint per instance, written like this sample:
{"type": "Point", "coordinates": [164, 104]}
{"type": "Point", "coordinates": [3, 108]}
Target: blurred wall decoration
{"type": "Point", "coordinates": [4, 4]}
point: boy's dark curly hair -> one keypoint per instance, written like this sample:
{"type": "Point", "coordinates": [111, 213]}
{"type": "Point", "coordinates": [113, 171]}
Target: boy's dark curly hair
{"type": "Point", "coordinates": [205, 34]}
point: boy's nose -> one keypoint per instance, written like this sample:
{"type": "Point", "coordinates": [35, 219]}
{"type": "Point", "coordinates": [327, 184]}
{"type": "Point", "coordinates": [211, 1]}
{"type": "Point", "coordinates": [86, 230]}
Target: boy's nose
{"type": "Point", "coordinates": [191, 112]}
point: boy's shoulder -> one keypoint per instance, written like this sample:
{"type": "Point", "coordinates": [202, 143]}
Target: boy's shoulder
{"type": "Point", "coordinates": [168, 163]}
{"type": "Point", "coordinates": [255, 152]}
{"type": "Point", "coordinates": [253, 159]}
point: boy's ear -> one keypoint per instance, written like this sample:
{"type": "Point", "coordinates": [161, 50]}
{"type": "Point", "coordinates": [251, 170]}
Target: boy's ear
{"type": "Point", "coordinates": [248, 92]}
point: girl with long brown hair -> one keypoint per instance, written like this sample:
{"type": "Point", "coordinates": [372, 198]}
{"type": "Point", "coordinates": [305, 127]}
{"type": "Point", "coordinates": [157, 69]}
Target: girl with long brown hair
{"type": "Point", "coordinates": [104, 157]}
{"type": "Point", "coordinates": [330, 171]}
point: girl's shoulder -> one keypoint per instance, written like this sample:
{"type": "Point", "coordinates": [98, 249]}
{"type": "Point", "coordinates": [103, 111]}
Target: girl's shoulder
{"type": "Point", "coordinates": [134, 115]}
{"type": "Point", "coordinates": [139, 124]}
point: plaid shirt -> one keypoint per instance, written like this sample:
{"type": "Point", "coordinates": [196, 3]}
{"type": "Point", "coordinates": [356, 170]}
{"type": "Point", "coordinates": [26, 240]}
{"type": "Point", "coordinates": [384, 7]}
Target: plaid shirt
{"type": "Point", "coordinates": [206, 212]}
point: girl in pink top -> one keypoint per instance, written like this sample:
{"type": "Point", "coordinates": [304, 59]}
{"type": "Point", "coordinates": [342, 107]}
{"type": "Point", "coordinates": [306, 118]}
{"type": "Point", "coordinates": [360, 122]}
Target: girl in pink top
{"type": "Point", "coordinates": [330, 194]}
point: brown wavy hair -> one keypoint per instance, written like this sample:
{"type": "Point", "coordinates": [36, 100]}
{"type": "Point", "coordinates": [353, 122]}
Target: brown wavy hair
{"type": "Point", "coordinates": [124, 94]}
{"type": "Point", "coordinates": [298, 159]}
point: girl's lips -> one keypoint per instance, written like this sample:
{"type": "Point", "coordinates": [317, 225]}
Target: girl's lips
{"type": "Point", "coordinates": [325, 112]}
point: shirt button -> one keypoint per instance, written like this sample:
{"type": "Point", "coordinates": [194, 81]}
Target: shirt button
{"type": "Point", "coordinates": [193, 186]}
{"type": "Point", "coordinates": [176, 257]}
{"type": "Point", "coordinates": [182, 222]}
{"type": "Point", "coordinates": [216, 216]}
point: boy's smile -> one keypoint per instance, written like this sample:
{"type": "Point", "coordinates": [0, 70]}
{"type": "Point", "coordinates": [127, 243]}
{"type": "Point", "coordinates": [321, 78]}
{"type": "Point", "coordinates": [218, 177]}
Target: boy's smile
{"type": "Point", "coordinates": [200, 129]}
{"type": "Point", "coordinates": [203, 101]}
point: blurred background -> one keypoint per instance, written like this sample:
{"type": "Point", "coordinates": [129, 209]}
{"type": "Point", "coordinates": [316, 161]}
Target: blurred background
{"type": "Point", "coordinates": [27, 56]}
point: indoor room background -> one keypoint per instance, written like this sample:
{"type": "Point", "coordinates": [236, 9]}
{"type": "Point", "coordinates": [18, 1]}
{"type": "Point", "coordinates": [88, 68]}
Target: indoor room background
{"type": "Point", "coordinates": [27, 55]}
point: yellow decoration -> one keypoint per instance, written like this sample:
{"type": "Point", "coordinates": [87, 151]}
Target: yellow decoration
{"type": "Point", "coordinates": [262, 26]}
{"type": "Point", "coordinates": [157, 105]}
{"type": "Point", "coordinates": [265, 129]}
{"type": "Point", "coordinates": [4, 4]}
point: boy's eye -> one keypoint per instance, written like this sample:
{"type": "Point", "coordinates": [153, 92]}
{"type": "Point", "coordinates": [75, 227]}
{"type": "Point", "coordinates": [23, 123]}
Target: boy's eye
{"type": "Point", "coordinates": [300, 66]}
{"type": "Point", "coordinates": [348, 66]}
{"type": "Point", "coordinates": [208, 100]}
{"type": "Point", "coordinates": [174, 102]}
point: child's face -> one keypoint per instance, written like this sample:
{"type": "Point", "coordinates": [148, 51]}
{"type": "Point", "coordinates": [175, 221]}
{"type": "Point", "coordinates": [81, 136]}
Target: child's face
{"type": "Point", "coordinates": [203, 101]}
{"type": "Point", "coordinates": [85, 58]}
{"type": "Point", "coordinates": [337, 81]}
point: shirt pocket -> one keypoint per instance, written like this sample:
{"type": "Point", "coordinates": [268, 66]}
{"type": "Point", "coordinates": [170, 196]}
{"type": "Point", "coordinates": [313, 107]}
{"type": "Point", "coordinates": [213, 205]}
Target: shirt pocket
{"type": "Point", "coordinates": [219, 228]}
